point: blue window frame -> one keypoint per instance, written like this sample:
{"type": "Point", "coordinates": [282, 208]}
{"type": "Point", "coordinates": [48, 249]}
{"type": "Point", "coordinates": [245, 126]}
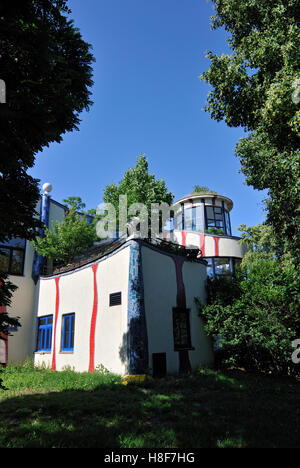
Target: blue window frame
{"type": "Point", "coordinates": [68, 327]}
{"type": "Point", "coordinates": [45, 333]}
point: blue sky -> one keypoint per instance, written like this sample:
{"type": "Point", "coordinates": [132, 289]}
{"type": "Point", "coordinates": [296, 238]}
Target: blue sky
{"type": "Point", "coordinates": [148, 98]}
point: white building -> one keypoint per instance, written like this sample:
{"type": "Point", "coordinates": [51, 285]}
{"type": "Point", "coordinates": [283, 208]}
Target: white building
{"type": "Point", "coordinates": [131, 308]}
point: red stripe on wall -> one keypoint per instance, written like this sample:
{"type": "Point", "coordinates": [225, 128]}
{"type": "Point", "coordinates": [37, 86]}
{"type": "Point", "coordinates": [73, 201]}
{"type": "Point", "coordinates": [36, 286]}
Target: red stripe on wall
{"type": "Point", "coordinates": [183, 238]}
{"type": "Point", "coordinates": [93, 321]}
{"type": "Point", "coordinates": [53, 367]}
{"type": "Point", "coordinates": [216, 239]}
{"type": "Point", "coordinates": [202, 245]}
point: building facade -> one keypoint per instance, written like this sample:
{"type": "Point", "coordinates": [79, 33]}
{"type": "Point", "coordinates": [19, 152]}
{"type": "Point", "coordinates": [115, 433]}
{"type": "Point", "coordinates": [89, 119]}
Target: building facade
{"type": "Point", "coordinates": [132, 308]}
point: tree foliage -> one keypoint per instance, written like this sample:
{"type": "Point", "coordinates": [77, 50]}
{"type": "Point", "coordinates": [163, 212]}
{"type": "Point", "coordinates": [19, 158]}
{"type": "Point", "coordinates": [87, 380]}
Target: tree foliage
{"type": "Point", "coordinates": [5, 323]}
{"type": "Point", "coordinates": [46, 67]}
{"type": "Point", "coordinates": [69, 238]}
{"type": "Point", "coordinates": [7, 289]}
{"type": "Point", "coordinates": [140, 187]}
{"type": "Point", "coordinates": [257, 87]}
{"type": "Point", "coordinates": [202, 189]}
{"type": "Point", "coordinates": [257, 312]}
{"type": "Point", "coordinates": [74, 202]}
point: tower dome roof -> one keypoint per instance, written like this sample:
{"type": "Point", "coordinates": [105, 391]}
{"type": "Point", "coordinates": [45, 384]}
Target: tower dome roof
{"type": "Point", "coordinates": [205, 195]}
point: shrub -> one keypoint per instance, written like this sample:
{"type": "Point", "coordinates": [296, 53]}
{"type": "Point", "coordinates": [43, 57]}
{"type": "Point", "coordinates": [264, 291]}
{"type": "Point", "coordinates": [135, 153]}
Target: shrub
{"type": "Point", "coordinates": [256, 314]}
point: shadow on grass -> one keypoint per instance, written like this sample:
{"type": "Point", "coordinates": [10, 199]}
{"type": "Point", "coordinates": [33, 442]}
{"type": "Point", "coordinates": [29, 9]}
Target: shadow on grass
{"type": "Point", "coordinates": [210, 409]}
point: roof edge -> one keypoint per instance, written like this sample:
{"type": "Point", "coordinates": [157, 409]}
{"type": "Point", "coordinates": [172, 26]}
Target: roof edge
{"type": "Point", "coordinates": [194, 196]}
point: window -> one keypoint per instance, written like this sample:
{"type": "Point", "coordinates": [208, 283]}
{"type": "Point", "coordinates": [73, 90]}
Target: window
{"type": "Point", "coordinates": [12, 254]}
{"type": "Point", "coordinates": [210, 267]}
{"type": "Point", "coordinates": [115, 299]}
{"type": "Point", "coordinates": [222, 266]}
{"type": "Point", "coordinates": [188, 219]}
{"type": "Point", "coordinates": [68, 332]}
{"type": "Point", "coordinates": [199, 218]}
{"type": "Point", "coordinates": [178, 221]}
{"type": "Point", "coordinates": [181, 329]}
{"type": "Point", "coordinates": [228, 225]}
{"type": "Point", "coordinates": [214, 216]}
{"type": "Point", "coordinates": [45, 333]}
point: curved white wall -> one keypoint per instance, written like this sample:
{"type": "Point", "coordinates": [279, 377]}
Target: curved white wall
{"type": "Point", "coordinates": [76, 295]}
{"type": "Point", "coordinates": [160, 292]}
{"type": "Point", "coordinates": [211, 245]}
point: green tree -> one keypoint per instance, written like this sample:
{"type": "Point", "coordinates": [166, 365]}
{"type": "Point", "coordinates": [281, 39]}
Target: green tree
{"type": "Point", "coordinates": [77, 204]}
{"type": "Point", "coordinates": [74, 202]}
{"type": "Point", "coordinates": [257, 87]}
{"type": "Point", "coordinates": [67, 239]}
{"type": "Point", "coordinates": [5, 323]}
{"type": "Point", "coordinates": [257, 312]}
{"type": "Point", "coordinates": [7, 289]}
{"type": "Point", "coordinates": [202, 189]}
{"type": "Point", "coordinates": [140, 187]}
{"type": "Point", "coordinates": [46, 66]}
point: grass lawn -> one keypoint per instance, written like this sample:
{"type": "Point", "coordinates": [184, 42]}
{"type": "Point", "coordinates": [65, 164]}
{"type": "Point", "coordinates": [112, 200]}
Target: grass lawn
{"type": "Point", "coordinates": [42, 408]}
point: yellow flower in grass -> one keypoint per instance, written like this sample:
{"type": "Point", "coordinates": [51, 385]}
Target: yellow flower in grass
{"type": "Point", "coordinates": [139, 378]}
